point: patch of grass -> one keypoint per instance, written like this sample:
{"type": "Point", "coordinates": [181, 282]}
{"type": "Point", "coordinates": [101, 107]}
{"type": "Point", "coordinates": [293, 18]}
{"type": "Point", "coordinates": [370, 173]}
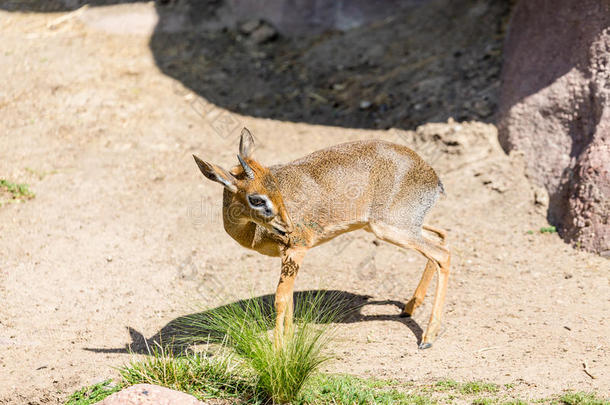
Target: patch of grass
{"type": "Point", "coordinates": [349, 390]}
{"type": "Point", "coordinates": [580, 398]}
{"type": "Point", "coordinates": [446, 385]}
{"type": "Point", "coordinates": [544, 229]}
{"type": "Point", "coordinates": [374, 383]}
{"type": "Point", "coordinates": [478, 387]}
{"type": "Point", "coordinates": [468, 388]}
{"type": "Point", "coordinates": [548, 229]}
{"type": "Point", "coordinates": [94, 393]}
{"type": "Point", "coordinates": [199, 374]}
{"type": "Point", "coordinates": [16, 192]}
{"type": "Point", "coordinates": [484, 401]}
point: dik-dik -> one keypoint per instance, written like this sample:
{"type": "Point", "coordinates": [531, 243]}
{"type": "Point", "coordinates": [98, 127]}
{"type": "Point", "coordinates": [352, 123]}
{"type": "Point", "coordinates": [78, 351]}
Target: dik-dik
{"type": "Point", "coordinates": [287, 209]}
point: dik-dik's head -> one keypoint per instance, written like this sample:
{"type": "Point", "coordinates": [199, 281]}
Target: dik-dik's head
{"type": "Point", "coordinates": [256, 195]}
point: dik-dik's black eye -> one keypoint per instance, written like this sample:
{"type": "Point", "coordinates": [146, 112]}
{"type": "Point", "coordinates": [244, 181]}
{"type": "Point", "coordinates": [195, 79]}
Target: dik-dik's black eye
{"type": "Point", "coordinates": [256, 201]}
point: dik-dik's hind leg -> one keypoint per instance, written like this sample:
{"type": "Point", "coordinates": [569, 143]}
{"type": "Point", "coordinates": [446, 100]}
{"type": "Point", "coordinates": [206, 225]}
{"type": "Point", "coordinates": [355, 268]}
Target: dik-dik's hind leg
{"type": "Point", "coordinates": [420, 291]}
{"type": "Point", "coordinates": [437, 255]}
{"type": "Point", "coordinates": [442, 257]}
{"type": "Point", "coordinates": [426, 278]}
{"type": "Point", "coordinates": [440, 232]}
{"type": "Point", "coordinates": [291, 261]}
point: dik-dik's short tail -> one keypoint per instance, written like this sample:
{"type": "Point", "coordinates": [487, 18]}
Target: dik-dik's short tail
{"type": "Point", "coordinates": [441, 187]}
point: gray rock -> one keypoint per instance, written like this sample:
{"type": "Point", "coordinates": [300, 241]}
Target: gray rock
{"type": "Point", "coordinates": [263, 34]}
{"type": "Point", "coordinates": [364, 104]}
{"type": "Point", "coordinates": [249, 26]}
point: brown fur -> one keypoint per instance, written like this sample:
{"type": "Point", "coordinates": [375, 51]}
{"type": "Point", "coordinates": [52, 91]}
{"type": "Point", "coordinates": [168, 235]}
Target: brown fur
{"type": "Point", "coordinates": [374, 185]}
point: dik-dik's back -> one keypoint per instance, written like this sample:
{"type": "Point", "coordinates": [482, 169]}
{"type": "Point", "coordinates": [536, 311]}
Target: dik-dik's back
{"type": "Point", "coordinates": [347, 186]}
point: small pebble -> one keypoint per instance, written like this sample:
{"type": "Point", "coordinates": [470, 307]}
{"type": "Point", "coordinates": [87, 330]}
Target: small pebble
{"type": "Point", "coordinates": [364, 104]}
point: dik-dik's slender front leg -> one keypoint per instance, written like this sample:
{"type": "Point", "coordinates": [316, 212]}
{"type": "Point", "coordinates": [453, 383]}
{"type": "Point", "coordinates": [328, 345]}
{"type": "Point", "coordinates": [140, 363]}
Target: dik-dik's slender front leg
{"type": "Point", "coordinates": [291, 261]}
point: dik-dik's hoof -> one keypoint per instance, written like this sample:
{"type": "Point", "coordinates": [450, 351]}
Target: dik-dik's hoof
{"type": "Point", "coordinates": [404, 314]}
{"type": "Point", "coordinates": [425, 345]}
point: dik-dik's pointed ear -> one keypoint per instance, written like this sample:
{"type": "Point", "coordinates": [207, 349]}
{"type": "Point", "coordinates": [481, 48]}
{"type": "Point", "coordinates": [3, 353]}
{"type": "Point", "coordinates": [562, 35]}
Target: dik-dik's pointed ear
{"type": "Point", "coordinates": [217, 174]}
{"type": "Point", "coordinates": [246, 143]}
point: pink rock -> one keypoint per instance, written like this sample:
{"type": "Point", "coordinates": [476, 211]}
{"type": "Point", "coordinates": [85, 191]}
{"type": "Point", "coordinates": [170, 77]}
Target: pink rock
{"type": "Point", "coordinates": [148, 394]}
{"type": "Point", "coordinates": [555, 107]}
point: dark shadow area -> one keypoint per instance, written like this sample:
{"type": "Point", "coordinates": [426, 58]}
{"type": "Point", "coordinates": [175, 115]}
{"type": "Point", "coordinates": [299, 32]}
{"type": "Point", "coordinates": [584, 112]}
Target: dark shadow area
{"type": "Point", "coordinates": [427, 62]}
{"type": "Point", "coordinates": [54, 6]}
{"type": "Point", "coordinates": [397, 64]}
{"type": "Point", "coordinates": [173, 335]}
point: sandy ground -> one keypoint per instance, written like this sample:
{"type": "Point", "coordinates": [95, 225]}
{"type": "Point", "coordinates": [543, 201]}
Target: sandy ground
{"type": "Point", "coordinates": [124, 234]}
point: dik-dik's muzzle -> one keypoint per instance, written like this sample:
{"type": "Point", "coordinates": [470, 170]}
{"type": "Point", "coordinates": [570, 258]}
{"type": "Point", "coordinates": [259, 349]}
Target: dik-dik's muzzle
{"type": "Point", "coordinates": [280, 226]}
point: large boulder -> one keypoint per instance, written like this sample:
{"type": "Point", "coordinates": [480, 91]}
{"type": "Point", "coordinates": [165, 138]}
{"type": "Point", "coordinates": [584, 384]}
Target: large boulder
{"type": "Point", "coordinates": [555, 108]}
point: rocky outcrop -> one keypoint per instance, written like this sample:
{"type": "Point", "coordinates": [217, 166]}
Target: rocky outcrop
{"type": "Point", "coordinates": [555, 107]}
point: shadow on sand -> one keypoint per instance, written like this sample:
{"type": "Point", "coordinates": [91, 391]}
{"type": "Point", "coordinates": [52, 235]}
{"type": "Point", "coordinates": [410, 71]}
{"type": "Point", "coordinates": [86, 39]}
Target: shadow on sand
{"type": "Point", "coordinates": [173, 335]}
{"type": "Point", "coordinates": [398, 64]}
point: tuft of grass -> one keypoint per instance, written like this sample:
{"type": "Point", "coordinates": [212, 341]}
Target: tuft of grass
{"type": "Point", "coordinates": [17, 192]}
{"type": "Point", "coordinates": [484, 401]}
{"type": "Point", "coordinates": [94, 393]}
{"type": "Point", "coordinates": [205, 377]}
{"type": "Point", "coordinates": [477, 387]}
{"type": "Point", "coordinates": [544, 229]}
{"type": "Point", "coordinates": [245, 327]}
{"type": "Point", "coordinates": [445, 385]}
{"type": "Point", "coordinates": [581, 398]}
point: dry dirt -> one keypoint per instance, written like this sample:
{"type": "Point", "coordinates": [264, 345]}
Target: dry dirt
{"type": "Point", "coordinates": [124, 234]}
